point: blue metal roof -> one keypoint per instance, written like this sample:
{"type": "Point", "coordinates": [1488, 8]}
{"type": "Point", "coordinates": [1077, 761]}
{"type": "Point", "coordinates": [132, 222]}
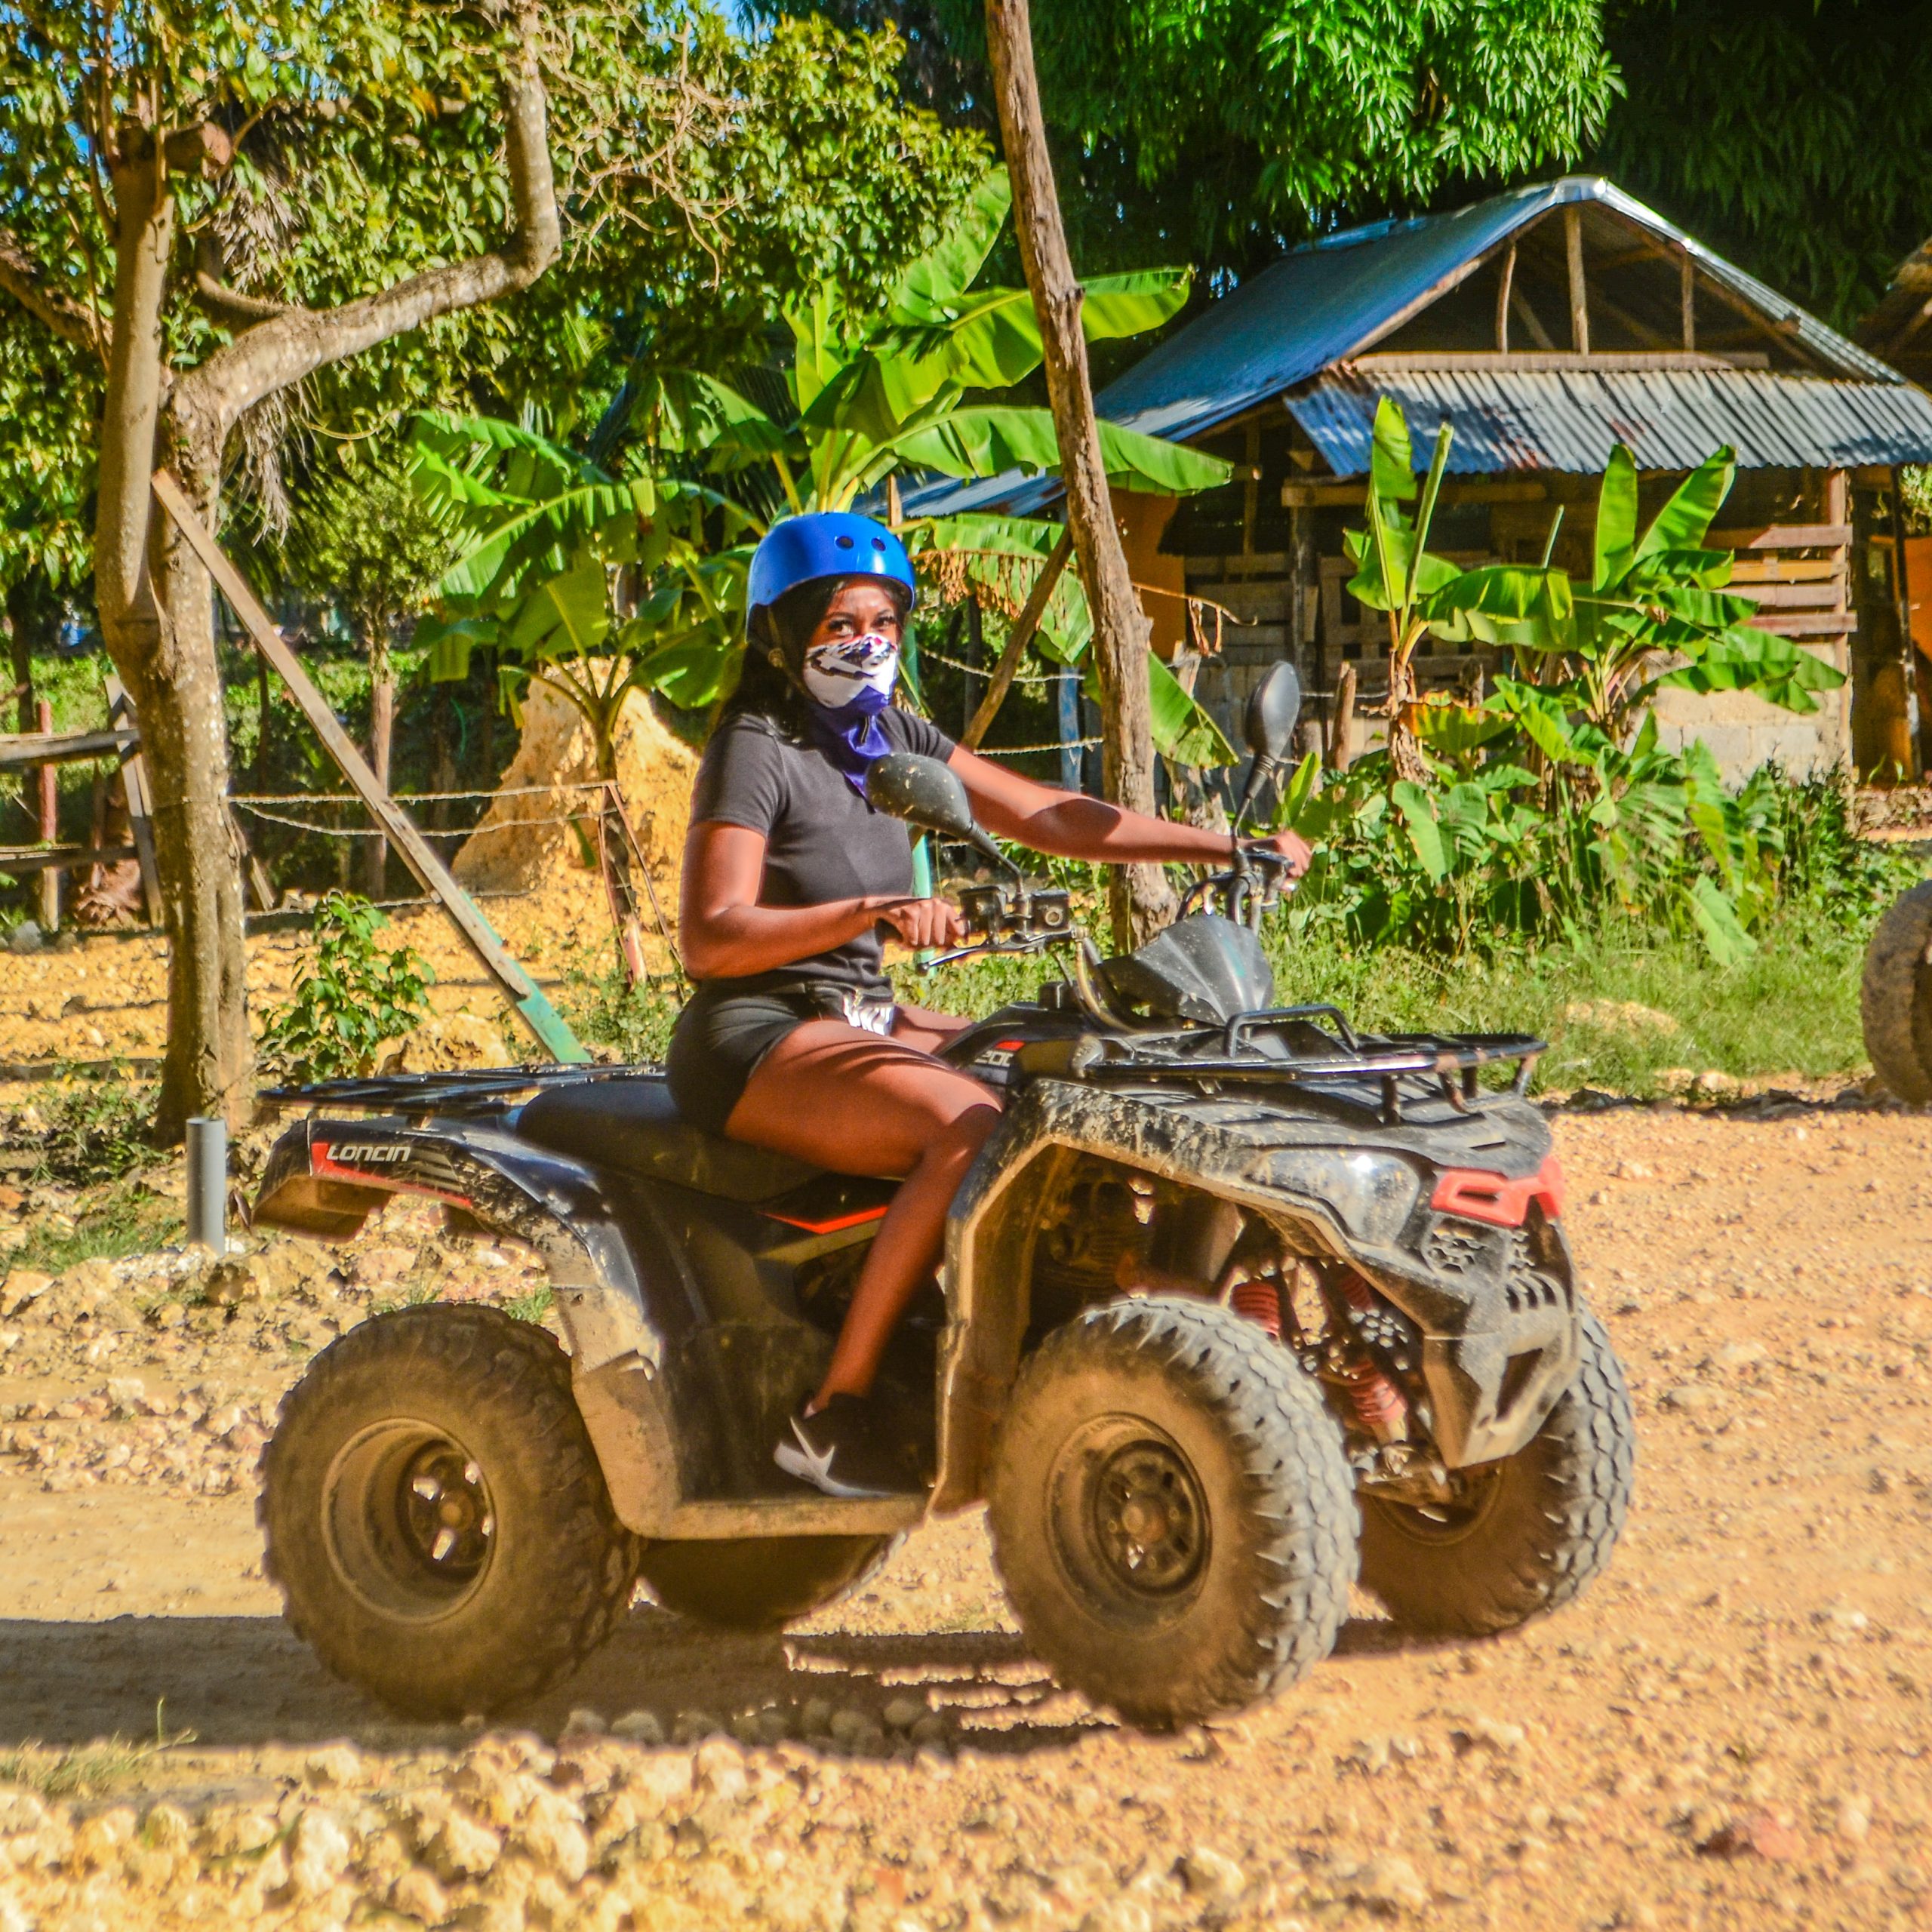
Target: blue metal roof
{"type": "Point", "coordinates": [1337, 298]}
{"type": "Point", "coordinates": [1571, 419]}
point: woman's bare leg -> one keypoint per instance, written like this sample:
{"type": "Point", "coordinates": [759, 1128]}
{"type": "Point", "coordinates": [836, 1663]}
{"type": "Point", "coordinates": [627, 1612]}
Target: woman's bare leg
{"type": "Point", "coordinates": [850, 1100]}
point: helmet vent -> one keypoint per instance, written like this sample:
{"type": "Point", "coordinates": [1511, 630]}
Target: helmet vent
{"type": "Point", "coordinates": [845, 543]}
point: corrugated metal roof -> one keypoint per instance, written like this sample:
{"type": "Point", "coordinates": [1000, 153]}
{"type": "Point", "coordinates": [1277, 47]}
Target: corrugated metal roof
{"type": "Point", "coordinates": [1336, 298]}
{"type": "Point", "coordinates": [1673, 419]}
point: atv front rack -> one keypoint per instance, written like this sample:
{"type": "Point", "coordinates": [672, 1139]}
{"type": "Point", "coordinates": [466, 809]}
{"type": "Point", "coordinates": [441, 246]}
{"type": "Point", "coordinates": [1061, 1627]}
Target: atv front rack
{"type": "Point", "coordinates": [1449, 1064]}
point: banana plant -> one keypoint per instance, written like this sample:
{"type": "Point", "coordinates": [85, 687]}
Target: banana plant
{"type": "Point", "coordinates": [877, 391]}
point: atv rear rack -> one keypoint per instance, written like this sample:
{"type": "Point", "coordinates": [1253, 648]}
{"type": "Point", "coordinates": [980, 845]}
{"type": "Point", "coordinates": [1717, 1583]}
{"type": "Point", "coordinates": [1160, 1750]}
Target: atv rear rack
{"type": "Point", "coordinates": [440, 1093]}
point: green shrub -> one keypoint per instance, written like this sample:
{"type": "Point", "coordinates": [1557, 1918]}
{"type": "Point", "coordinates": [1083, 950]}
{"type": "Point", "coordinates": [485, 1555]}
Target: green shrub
{"type": "Point", "coordinates": [350, 997]}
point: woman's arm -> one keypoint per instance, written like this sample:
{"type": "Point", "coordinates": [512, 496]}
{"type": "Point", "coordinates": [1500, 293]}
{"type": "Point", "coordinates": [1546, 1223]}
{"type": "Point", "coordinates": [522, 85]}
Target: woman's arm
{"type": "Point", "coordinates": [725, 934]}
{"type": "Point", "coordinates": [1071, 825]}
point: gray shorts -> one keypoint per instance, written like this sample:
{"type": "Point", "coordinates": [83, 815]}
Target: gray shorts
{"type": "Point", "coordinates": [722, 1035]}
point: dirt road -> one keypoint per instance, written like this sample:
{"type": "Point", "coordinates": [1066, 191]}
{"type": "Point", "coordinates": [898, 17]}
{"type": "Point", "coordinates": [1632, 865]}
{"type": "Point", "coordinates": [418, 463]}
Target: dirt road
{"type": "Point", "coordinates": [1731, 1730]}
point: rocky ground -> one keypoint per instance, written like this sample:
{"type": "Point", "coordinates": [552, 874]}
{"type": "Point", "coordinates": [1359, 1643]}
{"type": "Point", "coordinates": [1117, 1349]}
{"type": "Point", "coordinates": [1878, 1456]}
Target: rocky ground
{"type": "Point", "coordinates": [1731, 1730]}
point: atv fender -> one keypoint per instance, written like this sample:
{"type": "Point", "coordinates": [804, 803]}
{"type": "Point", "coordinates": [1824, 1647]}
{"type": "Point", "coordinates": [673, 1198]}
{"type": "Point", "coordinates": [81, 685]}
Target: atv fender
{"type": "Point", "coordinates": [325, 1176]}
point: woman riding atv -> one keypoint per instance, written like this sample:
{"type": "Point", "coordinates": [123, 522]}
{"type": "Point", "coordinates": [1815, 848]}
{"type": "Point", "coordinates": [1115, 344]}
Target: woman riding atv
{"type": "Point", "coordinates": [793, 1040]}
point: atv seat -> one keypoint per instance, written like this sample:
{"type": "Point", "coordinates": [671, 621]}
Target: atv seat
{"type": "Point", "coordinates": [633, 1125]}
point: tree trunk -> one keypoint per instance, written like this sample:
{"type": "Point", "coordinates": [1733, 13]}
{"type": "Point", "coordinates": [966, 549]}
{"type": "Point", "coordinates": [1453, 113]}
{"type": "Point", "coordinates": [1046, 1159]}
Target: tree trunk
{"type": "Point", "coordinates": [382, 732]}
{"type": "Point", "coordinates": [157, 618]}
{"type": "Point", "coordinates": [1143, 902]}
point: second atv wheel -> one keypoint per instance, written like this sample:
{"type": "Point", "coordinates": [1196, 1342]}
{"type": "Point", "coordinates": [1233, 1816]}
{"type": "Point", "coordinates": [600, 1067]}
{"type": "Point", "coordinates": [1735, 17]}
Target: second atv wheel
{"type": "Point", "coordinates": [1895, 997]}
{"type": "Point", "coordinates": [1171, 1510]}
{"type": "Point", "coordinates": [1529, 1533]}
{"type": "Point", "coordinates": [435, 1515]}
{"type": "Point", "coordinates": [759, 1583]}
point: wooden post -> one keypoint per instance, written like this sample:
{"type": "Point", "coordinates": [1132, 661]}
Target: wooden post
{"type": "Point", "coordinates": [1837, 511]}
{"type": "Point", "coordinates": [1304, 636]}
{"type": "Point", "coordinates": [140, 804]}
{"type": "Point", "coordinates": [1579, 307]}
{"type": "Point", "coordinates": [1687, 298]}
{"type": "Point", "coordinates": [1017, 639]}
{"type": "Point", "coordinates": [1142, 901]}
{"type": "Point", "coordinates": [1503, 291]}
{"type": "Point", "coordinates": [47, 780]}
{"type": "Point", "coordinates": [1251, 491]}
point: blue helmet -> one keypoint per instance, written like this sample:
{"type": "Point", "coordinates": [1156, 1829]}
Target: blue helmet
{"type": "Point", "coordinates": [823, 543]}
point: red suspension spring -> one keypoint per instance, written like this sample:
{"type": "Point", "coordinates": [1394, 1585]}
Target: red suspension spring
{"type": "Point", "coordinates": [1380, 1407]}
{"type": "Point", "coordinates": [1260, 1302]}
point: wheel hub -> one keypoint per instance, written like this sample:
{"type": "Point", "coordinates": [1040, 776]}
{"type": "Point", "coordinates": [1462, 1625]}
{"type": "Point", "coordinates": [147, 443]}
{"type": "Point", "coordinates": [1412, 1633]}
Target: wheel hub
{"type": "Point", "coordinates": [1149, 1519]}
{"type": "Point", "coordinates": [443, 1512]}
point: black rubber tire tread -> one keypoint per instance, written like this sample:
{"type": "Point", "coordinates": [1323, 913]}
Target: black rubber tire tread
{"type": "Point", "coordinates": [1280, 1499]}
{"type": "Point", "coordinates": [563, 1568]}
{"type": "Point", "coordinates": [1550, 1528]}
{"type": "Point", "coordinates": [1895, 997]}
{"type": "Point", "coordinates": [759, 1583]}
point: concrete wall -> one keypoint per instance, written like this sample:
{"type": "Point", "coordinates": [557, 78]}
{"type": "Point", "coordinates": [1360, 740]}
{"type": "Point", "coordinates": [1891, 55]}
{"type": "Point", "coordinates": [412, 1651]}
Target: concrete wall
{"type": "Point", "coordinates": [1745, 732]}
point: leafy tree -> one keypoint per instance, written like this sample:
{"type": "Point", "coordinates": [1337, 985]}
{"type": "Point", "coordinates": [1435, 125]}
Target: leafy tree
{"type": "Point", "coordinates": [215, 218]}
{"type": "Point", "coordinates": [1244, 121]}
{"type": "Point", "coordinates": [1792, 137]}
{"type": "Point", "coordinates": [363, 537]}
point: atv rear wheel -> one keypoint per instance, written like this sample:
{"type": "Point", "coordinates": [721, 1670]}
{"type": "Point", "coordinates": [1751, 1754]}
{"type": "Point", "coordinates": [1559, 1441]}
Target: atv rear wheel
{"type": "Point", "coordinates": [1895, 997]}
{"type": "Point", "coordinates": [1171, 1510]}
{"type": "Point", "coordinates": [435, 1514]}
{"type": "Point", "coordinates": [1529, 1533]}
{"type": "Point", "coordinates": [759, 1583]}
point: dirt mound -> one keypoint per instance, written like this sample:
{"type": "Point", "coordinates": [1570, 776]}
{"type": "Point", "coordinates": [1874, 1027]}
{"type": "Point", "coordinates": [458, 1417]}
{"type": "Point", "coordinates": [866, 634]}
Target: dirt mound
{"type": "Point", "coordinates": [526, 838]}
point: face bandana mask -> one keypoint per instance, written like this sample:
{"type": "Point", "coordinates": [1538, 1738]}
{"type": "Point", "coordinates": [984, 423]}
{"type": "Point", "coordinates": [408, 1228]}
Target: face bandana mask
{"type": "Point", "coordinates": [850, 683]}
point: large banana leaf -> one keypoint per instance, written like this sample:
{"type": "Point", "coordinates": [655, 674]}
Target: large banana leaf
{"type": "Point", "coordinates": [1392, 468]}
{"type": "Point", "coordinates": [1682, 522]}
{"type": "Point", "coordinates": [985, 439]}
{"type": "Point", "coordinates": [1743, 659]}
{"type": "Point", "coordinates": [568, 616]}
{"type": "Point", "coordinates": [1616, 541]}
{"type": "Point", "coordinates": [1005, 554]}
{"type": "Point", "coordinates": [927, 290]}
{"type": "Point", "coordinates": [1184, 732]}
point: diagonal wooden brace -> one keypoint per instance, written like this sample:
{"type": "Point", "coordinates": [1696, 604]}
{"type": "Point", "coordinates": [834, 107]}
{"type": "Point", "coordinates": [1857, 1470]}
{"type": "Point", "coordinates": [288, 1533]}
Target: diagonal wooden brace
{"type": "Point", "coordinates": [535, 1012]}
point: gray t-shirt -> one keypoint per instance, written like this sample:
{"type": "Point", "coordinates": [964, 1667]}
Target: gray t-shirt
{"type": "Point", "coordinates": [823, 842]}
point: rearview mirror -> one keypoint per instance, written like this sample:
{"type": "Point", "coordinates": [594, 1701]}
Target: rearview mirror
{"type": "Point", "coordinates": [922, 791]}
{"type": "Point", "coordinates": [926, 793]}
{"type": "Point", "coordinates": [1274, 707]}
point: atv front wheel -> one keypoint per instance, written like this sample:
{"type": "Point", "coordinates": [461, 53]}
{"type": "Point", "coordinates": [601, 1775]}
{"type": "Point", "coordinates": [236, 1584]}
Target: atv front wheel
{"type": "Point", "coordinates": [434, 1513]}
{"type": "Point", "coordinates": [759, 1583]}
{"type": "Point", "coordinates": [1527, 1535]}
{"type": "Point", "coordinates": [1171, 1510]}
{"type": "Point", "coordinates": [1895, 997]}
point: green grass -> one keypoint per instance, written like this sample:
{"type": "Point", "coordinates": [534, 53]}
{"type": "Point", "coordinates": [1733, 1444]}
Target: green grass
{"type": "Point", "coordinates": [1791, 1008]}
{"type": "Point", "coordinates": [118, 1221]}
{"type": "Point", "coordinates": [86, 1770]}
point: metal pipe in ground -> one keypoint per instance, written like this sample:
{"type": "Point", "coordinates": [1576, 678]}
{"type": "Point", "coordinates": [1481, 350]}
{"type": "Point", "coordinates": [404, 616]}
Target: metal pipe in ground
{"type": "Point", "coordinates": [207, 1184]}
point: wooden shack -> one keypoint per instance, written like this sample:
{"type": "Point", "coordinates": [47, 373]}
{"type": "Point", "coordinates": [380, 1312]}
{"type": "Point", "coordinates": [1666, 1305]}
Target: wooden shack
{"type": "Point", "coordinates": [1546, 325]}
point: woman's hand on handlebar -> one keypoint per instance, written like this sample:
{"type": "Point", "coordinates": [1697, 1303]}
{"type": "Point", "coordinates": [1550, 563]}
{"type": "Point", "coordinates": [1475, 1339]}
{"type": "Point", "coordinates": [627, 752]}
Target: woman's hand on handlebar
{"type": "Point", "coordinates": [923, 924]}
{"type": "Point", "coordinates": [1293, 847]}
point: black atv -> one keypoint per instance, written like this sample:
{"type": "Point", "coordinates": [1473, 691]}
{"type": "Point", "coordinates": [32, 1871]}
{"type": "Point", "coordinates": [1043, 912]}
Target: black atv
{"type": "Point", "coordinates": [1237, 1304]}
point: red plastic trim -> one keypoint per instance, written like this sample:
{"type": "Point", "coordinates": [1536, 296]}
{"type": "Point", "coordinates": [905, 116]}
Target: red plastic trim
{"type": "Point", "coordinates": [838, 1223]}
{"type": "Point", "coordinates": [1478, 1195]}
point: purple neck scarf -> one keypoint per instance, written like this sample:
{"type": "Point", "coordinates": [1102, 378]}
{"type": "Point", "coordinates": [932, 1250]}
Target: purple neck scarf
{"type": "Point", "coordinates": [851, 734]}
